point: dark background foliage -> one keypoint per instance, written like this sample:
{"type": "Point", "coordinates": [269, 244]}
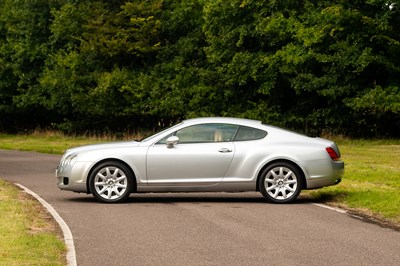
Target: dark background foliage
{"type": "Point", "coordinates": [312, 66]}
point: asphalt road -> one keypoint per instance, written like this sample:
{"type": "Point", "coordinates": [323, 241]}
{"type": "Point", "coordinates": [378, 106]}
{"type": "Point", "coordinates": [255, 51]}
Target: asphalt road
{"type": "Point", "coordinates": [203, 228]}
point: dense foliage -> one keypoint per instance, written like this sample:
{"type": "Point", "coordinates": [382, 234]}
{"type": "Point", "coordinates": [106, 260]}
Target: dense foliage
{"type": "Point", "coordinates": [313, 65]}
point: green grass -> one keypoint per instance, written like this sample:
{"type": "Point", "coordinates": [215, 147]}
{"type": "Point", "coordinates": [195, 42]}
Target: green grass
{"type": "Point", "coordinates": [45, 143]}
{"type": "Point", "coordinates": [53, 142]}
{"type": "Point", "coordinates": [371, 183]}
{"type": "Point", "coordinates": [28, 236]}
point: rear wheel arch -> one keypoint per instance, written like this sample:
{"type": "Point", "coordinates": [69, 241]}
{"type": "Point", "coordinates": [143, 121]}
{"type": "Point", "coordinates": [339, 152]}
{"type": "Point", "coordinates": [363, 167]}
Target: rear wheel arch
{"type": "Point", "coordinates": [280, 181]}
{"type": "Point", "coordinates": [134, 181]}
{"type": "Point", "coordinates": [302, 175]}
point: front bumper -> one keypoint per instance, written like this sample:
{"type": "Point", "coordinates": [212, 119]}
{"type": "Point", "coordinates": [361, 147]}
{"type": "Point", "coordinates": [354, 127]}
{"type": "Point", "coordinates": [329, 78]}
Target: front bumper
{"type": "Point", "coordinates": [73, 177]}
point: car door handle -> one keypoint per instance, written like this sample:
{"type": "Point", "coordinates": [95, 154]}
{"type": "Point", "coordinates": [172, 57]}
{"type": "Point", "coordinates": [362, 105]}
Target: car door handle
{"type": "Point", "coordinates": [225, 150]}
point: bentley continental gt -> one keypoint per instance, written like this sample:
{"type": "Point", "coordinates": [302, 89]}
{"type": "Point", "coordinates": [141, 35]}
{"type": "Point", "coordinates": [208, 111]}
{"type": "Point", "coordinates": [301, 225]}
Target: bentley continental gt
{"type": "Point", "coordinates": [204, 155]}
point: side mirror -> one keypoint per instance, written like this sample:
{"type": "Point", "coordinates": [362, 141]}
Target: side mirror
{"type": "Point", "coordinates": [171, 141]}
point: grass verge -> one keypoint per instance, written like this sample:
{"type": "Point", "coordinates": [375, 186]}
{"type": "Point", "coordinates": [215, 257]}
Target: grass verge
{"type": "Point", "coordinates": [48, 142]}
{"type": "Point", "coordinates": [371, 184]}
{"type": "Point", "coordinates": [28, 234]}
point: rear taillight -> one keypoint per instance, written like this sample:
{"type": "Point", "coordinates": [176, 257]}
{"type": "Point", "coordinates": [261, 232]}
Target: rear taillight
{"type": "Point", "coordinates": [332, 153]}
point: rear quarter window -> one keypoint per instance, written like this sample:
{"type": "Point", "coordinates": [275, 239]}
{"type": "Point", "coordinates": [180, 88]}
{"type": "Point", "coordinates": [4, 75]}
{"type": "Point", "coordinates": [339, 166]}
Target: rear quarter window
{"type": "Point", "coordinates": [249, 133]}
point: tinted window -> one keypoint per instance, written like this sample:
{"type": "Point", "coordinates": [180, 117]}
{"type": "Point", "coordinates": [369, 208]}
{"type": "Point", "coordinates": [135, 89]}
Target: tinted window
{"type": "Point", "coordinates": [205, 133]}
{"type": "Point", "coordinates": [249, 133]}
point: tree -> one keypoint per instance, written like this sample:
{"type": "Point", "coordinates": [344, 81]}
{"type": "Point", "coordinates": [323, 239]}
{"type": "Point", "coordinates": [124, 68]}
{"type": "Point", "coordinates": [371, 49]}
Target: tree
{"type": "Point", "coordinates": [97, 47]}
{"type": "Point", "coordinates": [23, 49]}
{"type": "Point", "coordinates": [306, 64]}
{"type": "Point", "coordinates": [313, 66]}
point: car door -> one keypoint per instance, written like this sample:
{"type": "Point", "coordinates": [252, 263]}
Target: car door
{"type": "Point", "coordinates": [201, 157]}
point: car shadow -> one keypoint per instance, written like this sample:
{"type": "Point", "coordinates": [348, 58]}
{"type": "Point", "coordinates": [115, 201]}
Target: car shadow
{"type": "Point", "coordinates": [171, 198]}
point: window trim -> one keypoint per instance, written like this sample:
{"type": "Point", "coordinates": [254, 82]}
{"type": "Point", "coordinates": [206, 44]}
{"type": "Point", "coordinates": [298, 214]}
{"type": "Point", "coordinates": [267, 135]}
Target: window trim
{"type": "Point", "coordinates": [200, 142]}
{"type": "Point", "coordinates": [241, 126]}
{"type": "Point", "coordinates": [229, 124]}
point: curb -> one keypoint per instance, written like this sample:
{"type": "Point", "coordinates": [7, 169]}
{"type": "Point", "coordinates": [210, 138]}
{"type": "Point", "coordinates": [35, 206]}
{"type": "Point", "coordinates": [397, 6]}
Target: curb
{"type": "Point", "coordinates": [68, 239]}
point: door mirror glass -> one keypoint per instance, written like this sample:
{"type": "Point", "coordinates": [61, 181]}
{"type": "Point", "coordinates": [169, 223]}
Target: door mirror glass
{"type": "Point", "coordinates": [171, 141]}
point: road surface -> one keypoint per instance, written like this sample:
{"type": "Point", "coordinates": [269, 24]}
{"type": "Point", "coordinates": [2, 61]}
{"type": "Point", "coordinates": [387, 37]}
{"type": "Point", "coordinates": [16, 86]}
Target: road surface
{"type": "Point", "coordinates": [203, 228]}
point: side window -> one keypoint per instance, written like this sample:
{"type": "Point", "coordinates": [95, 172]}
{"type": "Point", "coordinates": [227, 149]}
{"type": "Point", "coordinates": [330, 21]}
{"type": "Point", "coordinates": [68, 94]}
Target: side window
{"type": "Point", "coordinates": [249, 133]}
{"type": "Point", "coordinates": [195, 134]}
{"type": "Point", "coordinates": [205, 133]}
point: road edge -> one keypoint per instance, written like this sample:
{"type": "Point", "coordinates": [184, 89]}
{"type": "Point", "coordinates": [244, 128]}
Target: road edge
{"type": "Point", "coordinates": [362, 215]}
{"type": "Point", "coordinates": [68, 239]}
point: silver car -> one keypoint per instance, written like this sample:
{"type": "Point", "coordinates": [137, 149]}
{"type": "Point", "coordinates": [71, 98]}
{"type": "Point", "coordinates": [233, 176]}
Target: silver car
{"type": "Point", "coordinates": [204, 155]}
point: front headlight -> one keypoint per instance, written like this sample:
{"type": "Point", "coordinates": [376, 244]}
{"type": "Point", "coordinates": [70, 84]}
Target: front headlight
{"type": "Point", "coordinates": [70, 159]}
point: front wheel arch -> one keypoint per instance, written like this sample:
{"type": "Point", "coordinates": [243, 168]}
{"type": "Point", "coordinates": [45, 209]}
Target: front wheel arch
{"type": "Point", "coordinates": [134, 183]}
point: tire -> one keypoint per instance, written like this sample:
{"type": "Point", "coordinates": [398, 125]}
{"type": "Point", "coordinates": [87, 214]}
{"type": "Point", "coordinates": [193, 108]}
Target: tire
{"type": "Point", "coordinates": [111, 182]}
{"type": "Point", "coordinates": [280, 182]}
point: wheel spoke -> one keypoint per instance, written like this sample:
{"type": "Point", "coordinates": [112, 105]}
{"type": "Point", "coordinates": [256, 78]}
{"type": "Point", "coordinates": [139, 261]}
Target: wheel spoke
{"type": "Point", "coordinates": [275, 176]}
{"type": "Point", "coordinates": [271, 188]}
{"type": "Point", "coordinates": [281, 172]}
{"type": "Point", "coordinates": [108, 173]}
{"type": "Point", "coordinates": [103, 190]}
{"type": "Point", "coordinates": [289, 188]}
{"type": "Point", "coordinates": [289, 174]}
{"type": "Point", "coordinates": [101, 183]}
{"type": "Point", "coordinates": [121, 178]}
{"type": "Point", "coordinates": [115, 174]}
{"type": "Point", "coordinates": [283, 191]}
{"type": "Point", "coordinates": [276, 193]}
{"type": "Point", "coordinates": [120, 185]}
{"type": "Point", "coordinates": [289, 182]}
{"type": "Point", "coordinates": [99, 175]}
{"type": "Point", "coordinates": [116, 191]}
{"type": "Point", "coordinates": [109, 190]}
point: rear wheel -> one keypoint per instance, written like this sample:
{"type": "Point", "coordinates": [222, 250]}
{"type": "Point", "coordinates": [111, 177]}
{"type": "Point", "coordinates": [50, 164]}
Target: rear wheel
{"type": "Point", "coordinates": [111, 182]}
{"type": "Point", "coordinates": [280, 182]}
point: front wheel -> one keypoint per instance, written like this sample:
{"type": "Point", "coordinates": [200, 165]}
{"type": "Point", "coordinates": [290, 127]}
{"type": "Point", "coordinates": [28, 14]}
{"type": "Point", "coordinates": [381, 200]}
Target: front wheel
{"type": "Point", "coordinates": [280, 182]}
{"type": "Point", "coordinates": [111, 182]}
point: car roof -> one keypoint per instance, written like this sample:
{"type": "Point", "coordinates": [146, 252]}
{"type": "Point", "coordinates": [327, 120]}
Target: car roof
{"type": "Point", "coordinates": [228, 120]}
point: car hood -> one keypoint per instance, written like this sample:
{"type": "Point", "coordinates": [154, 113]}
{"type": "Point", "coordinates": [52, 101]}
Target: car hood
{"type": "Point", "coordinates": [112, 145]}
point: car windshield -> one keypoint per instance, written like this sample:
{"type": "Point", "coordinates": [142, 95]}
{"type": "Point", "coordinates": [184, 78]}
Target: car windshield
{"type": "Point", "coordinates": [152, 137]}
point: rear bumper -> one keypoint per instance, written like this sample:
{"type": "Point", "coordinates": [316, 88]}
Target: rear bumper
{"type": "Point", "coordinates": [333, 178]}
